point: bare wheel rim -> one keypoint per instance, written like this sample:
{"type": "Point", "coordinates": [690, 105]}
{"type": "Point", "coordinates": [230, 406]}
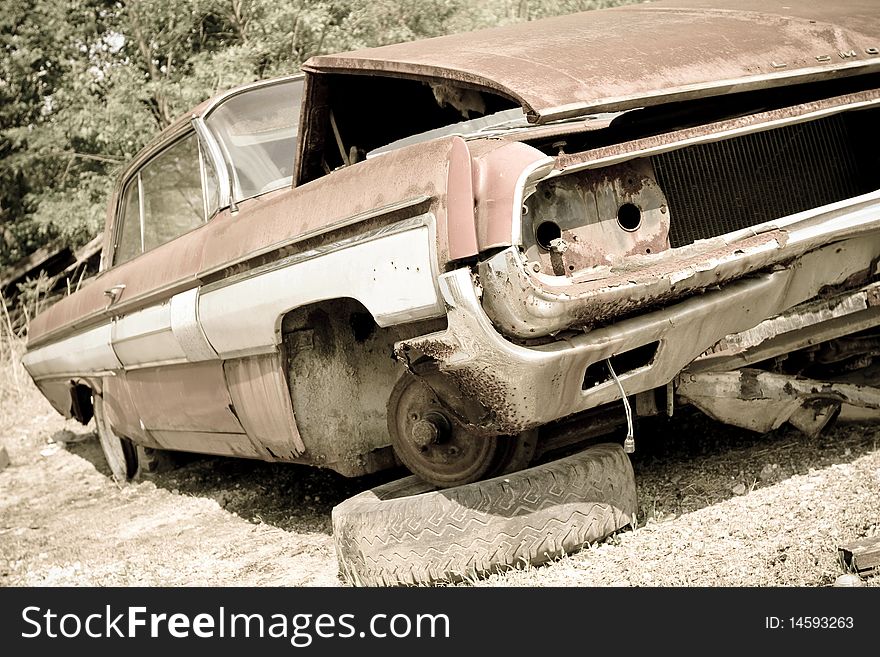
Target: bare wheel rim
{"type": "Point", "coordinates": [112, 445]}
{"type": "Point", "coordinates": [432, 442]}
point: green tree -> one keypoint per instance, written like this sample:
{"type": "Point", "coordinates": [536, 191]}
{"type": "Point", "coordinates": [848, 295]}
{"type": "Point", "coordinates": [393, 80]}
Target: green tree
{"type": "Point", "coordinates": [84, 84]}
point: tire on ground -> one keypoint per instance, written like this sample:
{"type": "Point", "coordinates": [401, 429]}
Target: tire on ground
{"type": "Point", "coordinates": [407, 532]}
{"type": "Point", "coordinates": [152, 461]}
{"type": "Point", "coordinates": [126, 460]}
{"type": "Point", "coordinates": [119, 452]}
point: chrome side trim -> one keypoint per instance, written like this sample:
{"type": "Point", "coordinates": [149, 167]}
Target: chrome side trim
{"type": "Point", "coordinates": [538, 170]}
{"type": "Point", "coordinates": [328, 228]}
{"type": "Point", "coordinates": [186, 328]}
{"type": "Point", "coordinates": [145, 337]}
{"type": "Point", "coordinates": [391, 271]}
{"type": "Point", "coordinates": [89, 352]}
{"type": "Point", "coordinates": [161, 335]}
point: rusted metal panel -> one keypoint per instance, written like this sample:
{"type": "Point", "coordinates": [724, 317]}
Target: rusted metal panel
{"type": "Point", "coordinates": [221, 444]}
{"type": "Point", "coordinates": [191, 397]}
{"type": "Point", "coordinates": [460, 227]}
{"type": "Point", "coordinates": [258, 386]}
{"type": "Point", "coordinates": [121, 413]}
{"type": "Point", "coordinates": [762, 401]}
{"type": "Point", "coordinates": [500, 175]}
{"type": "Point", "coordinates": [340, 379]}
{"type": "Point", "coordinates": [715, 131]}
{"type": "Point", "coordinates": [57, 391]}
{"type": "Point", "coordinates": [851, 306]}
{"type": "Point", "coordinates": [277, 220]}
{"type": "Point", "coordinates": [525, 304]}
{"type": "Point", "coordinates": [639, 55]}
{"type": "Point", "coordinates": [600, 217]}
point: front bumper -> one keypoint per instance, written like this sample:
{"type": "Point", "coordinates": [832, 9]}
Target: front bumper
{"type": "Point", "coordinates": [522, 387]}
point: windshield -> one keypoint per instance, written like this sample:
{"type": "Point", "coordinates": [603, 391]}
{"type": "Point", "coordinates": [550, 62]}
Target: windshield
{"type": "Point", "coordinates": [256, 130]}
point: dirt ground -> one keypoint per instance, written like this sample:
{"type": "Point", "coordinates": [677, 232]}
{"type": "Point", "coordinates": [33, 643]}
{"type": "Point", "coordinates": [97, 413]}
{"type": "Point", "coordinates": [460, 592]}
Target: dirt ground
{"type": "Point", "coordinates": [718, 507]}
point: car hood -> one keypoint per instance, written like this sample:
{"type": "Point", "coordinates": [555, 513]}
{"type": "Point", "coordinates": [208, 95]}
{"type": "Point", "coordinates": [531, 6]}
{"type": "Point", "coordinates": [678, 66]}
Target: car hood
{"type": "Point", "coordinates": [638, 55]}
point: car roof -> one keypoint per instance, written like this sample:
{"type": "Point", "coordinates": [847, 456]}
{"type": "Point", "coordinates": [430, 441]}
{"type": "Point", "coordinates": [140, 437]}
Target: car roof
{"type": "Point", "coordinates": [638, 55]}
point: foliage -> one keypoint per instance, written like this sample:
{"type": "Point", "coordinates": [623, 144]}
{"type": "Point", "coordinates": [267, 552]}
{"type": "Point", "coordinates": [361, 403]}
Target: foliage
{"type": "Point", "coordinates": [84, 84]}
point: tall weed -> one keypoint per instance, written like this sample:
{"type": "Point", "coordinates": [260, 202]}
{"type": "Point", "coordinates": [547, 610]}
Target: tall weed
{"type": "Point", "coordinates": [15, 383]}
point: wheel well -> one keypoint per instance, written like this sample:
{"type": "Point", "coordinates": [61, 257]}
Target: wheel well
{"type": "Point", "coordinates": [359, 319]}
{"type": "Point", "coordinates": [81, 404]}
{"type": "Point", "coordinates": [340, 370]}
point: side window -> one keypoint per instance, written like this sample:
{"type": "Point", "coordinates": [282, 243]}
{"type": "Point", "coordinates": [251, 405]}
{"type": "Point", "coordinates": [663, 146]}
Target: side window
{"type": "Point", "coordinates": [129, 244]}
{"type": "Point", "coordinates": [171, 194]}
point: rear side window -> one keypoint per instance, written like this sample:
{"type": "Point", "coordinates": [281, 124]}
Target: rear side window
{"type": "Point", "coordinates": [130, 241]}
{"type": "Point", "coordinates": [170, 195]}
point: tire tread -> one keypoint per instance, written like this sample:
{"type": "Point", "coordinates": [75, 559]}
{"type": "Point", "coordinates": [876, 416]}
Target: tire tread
{"type": "Point", "coordinates": [528, 517]}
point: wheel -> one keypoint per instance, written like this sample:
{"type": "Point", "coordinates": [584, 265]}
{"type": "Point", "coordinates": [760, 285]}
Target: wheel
{"type": "Point", "coordinates": [407, 532]}
{"type": "Point", "coordinates": [119, 452]}
{"type": "Point", "coordinates": [439, 447]}
{"type": "Point", "coordinates": [152, 461]}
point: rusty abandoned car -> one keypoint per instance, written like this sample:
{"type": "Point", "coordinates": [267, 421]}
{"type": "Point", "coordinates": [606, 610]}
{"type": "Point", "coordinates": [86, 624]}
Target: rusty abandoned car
{"type": "Point", "coordinates": [460, 253]}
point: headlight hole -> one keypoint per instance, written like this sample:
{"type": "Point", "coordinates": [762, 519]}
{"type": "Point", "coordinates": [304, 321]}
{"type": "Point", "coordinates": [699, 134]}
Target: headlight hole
{"type": "Point", "coordinates": [629, 216]}
{"type": "Point", "coordinates": [546, 232]}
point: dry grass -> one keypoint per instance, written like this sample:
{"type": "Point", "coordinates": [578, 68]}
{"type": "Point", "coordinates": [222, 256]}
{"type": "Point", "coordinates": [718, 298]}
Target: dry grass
{"type": "Point", "coordinates": [15, 384]}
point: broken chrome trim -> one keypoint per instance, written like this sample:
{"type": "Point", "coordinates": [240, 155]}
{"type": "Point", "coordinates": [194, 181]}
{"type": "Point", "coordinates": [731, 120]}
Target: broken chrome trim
{"type": "Point", "coordinates": [525, 304]}
{"type": "Point", "coordinates": [524, 387]}
{"type": "Point", "coordinates": [526, 184]}
{"type": "Point", "coordinates": [804, 325]}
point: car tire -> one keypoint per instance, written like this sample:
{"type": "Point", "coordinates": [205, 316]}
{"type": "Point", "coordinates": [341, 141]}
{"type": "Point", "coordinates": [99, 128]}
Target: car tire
{"type": "Point", "coordinates": [119, 452]}
{"type": "Point", "coordinates": [407, 532]}
{"type": "Point", "coordinates": [152, 461]}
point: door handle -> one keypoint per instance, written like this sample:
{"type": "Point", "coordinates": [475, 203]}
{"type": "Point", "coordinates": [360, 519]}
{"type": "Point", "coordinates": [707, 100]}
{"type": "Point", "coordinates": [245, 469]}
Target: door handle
{"type": "Point", "coordinates": [113, 293]}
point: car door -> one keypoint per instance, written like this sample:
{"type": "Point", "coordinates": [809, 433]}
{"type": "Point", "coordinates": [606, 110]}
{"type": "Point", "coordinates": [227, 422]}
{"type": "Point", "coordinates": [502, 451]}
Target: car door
{"type": "Point", "coordinates": [172, 391]}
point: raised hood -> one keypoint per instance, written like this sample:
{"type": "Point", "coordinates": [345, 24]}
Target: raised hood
{"type": "Point", "coordinates": [639, 55]}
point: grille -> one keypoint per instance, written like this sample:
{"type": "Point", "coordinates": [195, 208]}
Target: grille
{"type": "Point", "coordinates": [720, 187]}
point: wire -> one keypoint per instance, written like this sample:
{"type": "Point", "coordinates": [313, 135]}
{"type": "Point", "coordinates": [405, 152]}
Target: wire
{"type": "Point", "coordinates": [629, 444]}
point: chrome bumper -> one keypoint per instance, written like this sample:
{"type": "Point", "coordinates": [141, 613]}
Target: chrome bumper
{"type": "Point", "coordinates": [522, 387]}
